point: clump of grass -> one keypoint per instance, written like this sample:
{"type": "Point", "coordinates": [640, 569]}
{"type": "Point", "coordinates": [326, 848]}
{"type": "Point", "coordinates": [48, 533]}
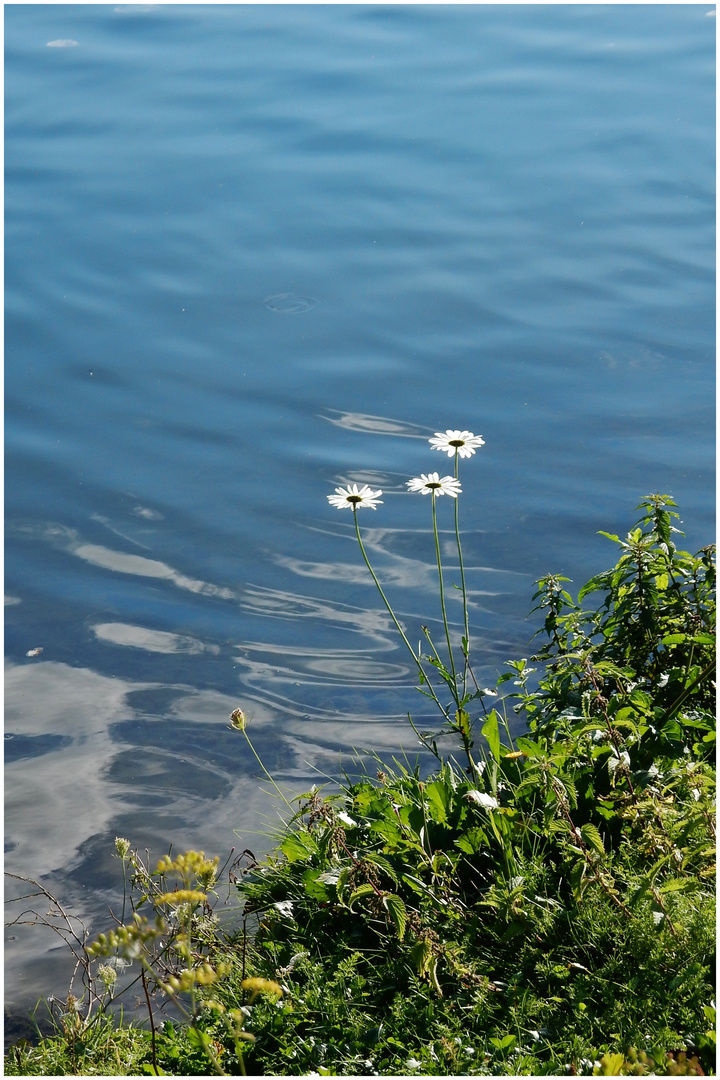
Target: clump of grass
{"type": "Point", "coordinates": [544, 905]}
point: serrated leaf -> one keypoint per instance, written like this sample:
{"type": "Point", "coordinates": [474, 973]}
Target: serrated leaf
{"type": "Point", "coordinates": [593, 585]}
{"type": "Point", "coordinates": [342, 881]}
{"type": "Point", "coordinates": [592, 838]}
{"type": "Point", "coordinates": [378, 860]}
{"type": "Point", "coordinates": [314, 887]}
{"type": "Point", "coordinates": [362, 890]}
{"type": "Point", "coordinates": [678, 885]}
{"type": "Point", "coordinates": [396, 910]}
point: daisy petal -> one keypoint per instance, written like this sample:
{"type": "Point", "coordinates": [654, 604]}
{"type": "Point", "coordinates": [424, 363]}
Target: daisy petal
{"type": "Point", "coordinates": [431, 484]}
{"type": "Point", "coordinates": [351, 497]}
{"type": "Point", "coordinates": [462, 443]}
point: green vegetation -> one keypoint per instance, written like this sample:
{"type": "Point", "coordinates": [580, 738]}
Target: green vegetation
{"type": "Point", "coordinates": [543, 906]}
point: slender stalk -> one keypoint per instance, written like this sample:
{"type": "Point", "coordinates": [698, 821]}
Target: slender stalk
{"type": "Point", "coordinates": [442, 599]}
{"type": "Point", "coordinates": [423, 740]}
{"type": "Point", "coordinates": [259, 761]}
{"type": "Point", "coordinates": [398, 627]}
{"type": "Point", "coordinates": [466, 649]}
{"type": "Point", "coordinates": [153, 1042]}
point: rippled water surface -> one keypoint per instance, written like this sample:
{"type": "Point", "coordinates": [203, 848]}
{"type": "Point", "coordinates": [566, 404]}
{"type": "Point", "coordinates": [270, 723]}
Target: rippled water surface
{"type": "Point", "coordinates": [256, 252]}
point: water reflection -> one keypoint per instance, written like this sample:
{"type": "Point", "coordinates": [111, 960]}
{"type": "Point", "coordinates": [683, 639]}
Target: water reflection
{"type": "Point", "coordinates": [325, 665]}
{"type": "Point", "coordinates": [290, 304]}
{"type": "Point", "coordinates": [158, 641]}
{"type": "Point", "coordinates": [404, 572]}
{"type": "Point", "coordinates": [279, 603]}
{"type": "Point", "coordinates": [89, 757]}
{"type": "Point", "coordinates": [375, 425]}
{"type": "Point", "coordinates": [121, 562]}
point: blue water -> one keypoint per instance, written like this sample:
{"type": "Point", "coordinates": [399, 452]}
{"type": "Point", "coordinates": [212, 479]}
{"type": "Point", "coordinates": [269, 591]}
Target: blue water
{"type": "Point", "coordinates": [254, 252]}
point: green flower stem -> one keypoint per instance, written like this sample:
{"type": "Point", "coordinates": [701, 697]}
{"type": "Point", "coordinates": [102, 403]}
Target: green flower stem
{"type": "Point", "coordinates": [399, 628]}
{"type": "Point", "coordinates": [466, 650]}
{"type": "Point", "coordinates": [442, 600]}
{"type": "Point", "coordinates": [257, 758]}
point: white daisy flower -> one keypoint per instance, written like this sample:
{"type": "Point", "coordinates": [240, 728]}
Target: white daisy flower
{"type": "Point", "coordinates": [462, 443]}
{"type": "Point", "coordinates": [431, 484]}
{"type": "Point", "coordinates": [352, 496]}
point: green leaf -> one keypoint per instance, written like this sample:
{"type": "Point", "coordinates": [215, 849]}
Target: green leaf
{"type": "Point", "coordinates": [315, 888]}
{"type": "Point", "coordinates": [592, 838]}
{"type": "Point", "coordinates": [438, 798]}
{"type": "Point", "coordinates": [362, 890]}
{"type": "Point", "coordinates": [432, 975]}
{"type": "Point", "coordinates": [577, 880]}
{"type": "Point", "coordinates": [491, 732]}
{"type": "Point", "coordinates": [611, 1064]}
{"type": "Point", "coordinates": [389, 830]}
{"type": "Point", "coordinates": [396, 910]}
{"type": "Point", "coordinates": [378, 860]}
{"type": "Point", "coordinates": [420, 956]}
{"type": "Point", "coordinates": [462, 719]}
{"type": "Point", "coordinates": [678, 884]}
{"type": "Point", "coordinates": [419, 887]}
{"type": "Point", "coordinates": [532, 749]}
{"type": "Point", "coordinates": [298, 845]}
{"type": "Point", "coordinates": [472, 841]}
{"type": "Point", "coordinates": [342, 881]}
{"type": "Point", "coordinates": [503, 1044]}
{"type": "Point", "coordinates": [600, 581]}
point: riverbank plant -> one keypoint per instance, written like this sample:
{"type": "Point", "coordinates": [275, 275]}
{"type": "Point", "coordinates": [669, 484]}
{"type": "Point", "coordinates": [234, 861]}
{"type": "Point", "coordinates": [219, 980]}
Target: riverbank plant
{"type": "Point", "coordinates": [533, 904]}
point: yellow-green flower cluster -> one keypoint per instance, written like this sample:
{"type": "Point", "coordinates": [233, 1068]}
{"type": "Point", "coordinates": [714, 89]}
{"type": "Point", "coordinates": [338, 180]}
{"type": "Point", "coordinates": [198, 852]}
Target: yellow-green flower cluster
{"type": "Point", "coordinates": [202, 975]}
{"type": "Point", "coordinates": [181, 896]}
{"type": "Point", "coordinates": [190, 864]}
{"type": "Point", "coordinates": [127, 940]}
{"type": "Point", "coordinates": [262, 986]}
